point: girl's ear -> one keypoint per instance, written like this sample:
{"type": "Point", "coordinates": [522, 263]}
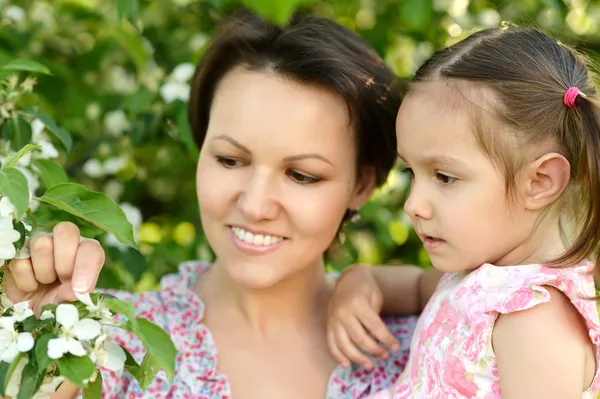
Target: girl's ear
{"type": "Point", "coordinates": [545, 180]}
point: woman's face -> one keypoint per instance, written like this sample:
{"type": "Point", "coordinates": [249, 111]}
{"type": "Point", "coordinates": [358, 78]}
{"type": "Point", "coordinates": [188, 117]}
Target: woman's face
{"type": "Point", "coordinates": [276, 174]}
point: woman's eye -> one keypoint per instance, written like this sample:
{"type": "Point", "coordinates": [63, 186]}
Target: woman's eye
{"type": "Point", "coordinates": [230, 162]}
{"type": "Point", "coordinates": [445, 179]}
{"type": "Point", "coordinates": [302, 178]}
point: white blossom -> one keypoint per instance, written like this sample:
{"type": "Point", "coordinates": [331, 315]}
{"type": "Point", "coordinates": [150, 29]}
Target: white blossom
{"type": "Point", "coordinates": [93, 168]}
{"type": "Point", "coordinates": [46, 314]}
{"type": "Point", "coordinates": [21, 311]}
{"type": "Point", "coordinates": [11, 341]}
{"type": "Point", "coordinates": [172, 91]}
{"type": "Point", "coordinates": [183, 72]}
{"type": "Point", "coordinates": [73, 330]}
{"type": "Point", "coordinates": [7, 209]}
{"type": "Point", "coordinates": [107, 354]}
{"type": "Point", "coordinates": [114, 164]}
{"type": "Point", "coordinates": [116, 122]}
{"type": "Point", "coordinates": [8, 235]}
{"type": "Point", "coordinates": [176, 87]}
{"type": "Point", "coordinates": [14, 13]}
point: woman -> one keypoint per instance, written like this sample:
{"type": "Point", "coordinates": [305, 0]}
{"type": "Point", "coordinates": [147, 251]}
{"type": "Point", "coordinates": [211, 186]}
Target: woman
{"type": "Point", "coordinates": [296, 128]}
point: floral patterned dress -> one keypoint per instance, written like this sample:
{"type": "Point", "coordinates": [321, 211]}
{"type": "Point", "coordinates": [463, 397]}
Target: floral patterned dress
{"type": "Point", "coordinates": [177, 309]}
{"type": "Point", "coordinates": [451, 352]}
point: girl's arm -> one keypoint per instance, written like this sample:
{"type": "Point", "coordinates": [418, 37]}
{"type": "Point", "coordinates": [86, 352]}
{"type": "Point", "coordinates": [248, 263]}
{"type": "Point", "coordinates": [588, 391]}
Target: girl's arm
{"type": "Point", "coordinates": [544, 352]}
{"type": "Point", "coordinates": [363, 292]}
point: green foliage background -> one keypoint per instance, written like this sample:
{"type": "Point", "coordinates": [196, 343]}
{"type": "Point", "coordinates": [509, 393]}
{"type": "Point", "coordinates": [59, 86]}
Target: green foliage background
{"type": "Point", "coordinates": [111, 58]}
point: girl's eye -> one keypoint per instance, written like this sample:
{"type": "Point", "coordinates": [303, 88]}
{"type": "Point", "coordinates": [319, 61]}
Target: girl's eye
{"type": "Point", "coordinates": [302, 178]}
{"type": "Point", "coordinates": [445, 179]}
{"type": "Point", "coordinates": [409, 172]}
{"type": "Point", "coordinates": [230, 162]}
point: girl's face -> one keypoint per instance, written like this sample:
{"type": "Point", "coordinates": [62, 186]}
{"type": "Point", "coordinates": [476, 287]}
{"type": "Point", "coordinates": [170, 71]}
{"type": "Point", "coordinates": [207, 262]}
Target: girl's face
{"type": "Point", "coordinates": [276, 174]}
{"type": "Point", "coordinates": [458, 200]}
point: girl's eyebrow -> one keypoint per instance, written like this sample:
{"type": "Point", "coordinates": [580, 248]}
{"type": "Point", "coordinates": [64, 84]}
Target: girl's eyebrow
{"type": "Point", "coordinates": [443, 160]}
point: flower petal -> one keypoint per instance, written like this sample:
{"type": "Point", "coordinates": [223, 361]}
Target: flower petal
{"type": "Point", "coordinates": [46, 314]}
{"type": "Point", "coordinates": [115, 356]}
{"type": "Point", "coordinates": [7, 323]}
{"type": "Point", "coordinates": [25, 342]}
{"type": "Point", "coordinates": [6, 338]}
{"type": "Point", "coordinates": [67, 315]}
{"type": "Point", "coordinates": [86, 329]}
{"type": "Point", "coordinates": [86, 300]}
{"type": "Point", "coordinates": [75, 347]}
{"type": "Point", "coordinates": [9, 353]}
{"type": "Point", "coordinates": [57, 347]}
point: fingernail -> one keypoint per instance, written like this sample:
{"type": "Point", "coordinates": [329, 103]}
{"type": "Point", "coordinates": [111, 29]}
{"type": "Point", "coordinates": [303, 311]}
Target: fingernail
{"type": "Point", "coordinates": [396, 347]}
{"type": "Point", "coordinates": [346, 365]}
{"type": "Point", "coordinates": [80, 284]}
{"type": "Point", "coordinates": [385, 356]}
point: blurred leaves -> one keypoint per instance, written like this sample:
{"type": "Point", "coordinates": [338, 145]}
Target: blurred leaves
{"type": "Point", "coordinates": [114, 103]}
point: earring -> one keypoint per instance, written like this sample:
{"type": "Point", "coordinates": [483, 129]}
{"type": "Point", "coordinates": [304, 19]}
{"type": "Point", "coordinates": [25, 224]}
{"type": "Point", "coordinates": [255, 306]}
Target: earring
{"type": "Point", "coordinates": [355, 217]}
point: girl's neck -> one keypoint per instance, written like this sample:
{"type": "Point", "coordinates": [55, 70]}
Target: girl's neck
{"type": "Point", "coordinates": [297, 302]}
{"type": "Point", "coordinates": [543, 245]}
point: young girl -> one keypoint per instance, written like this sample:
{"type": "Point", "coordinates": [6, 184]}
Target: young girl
{"type": "Point", "coordinates": [501, 136]}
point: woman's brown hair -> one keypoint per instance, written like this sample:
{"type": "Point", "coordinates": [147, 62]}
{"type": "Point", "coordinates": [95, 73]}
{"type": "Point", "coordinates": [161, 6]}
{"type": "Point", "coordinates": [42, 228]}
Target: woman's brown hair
{"type": "Point", "coordinates": [527, 73]}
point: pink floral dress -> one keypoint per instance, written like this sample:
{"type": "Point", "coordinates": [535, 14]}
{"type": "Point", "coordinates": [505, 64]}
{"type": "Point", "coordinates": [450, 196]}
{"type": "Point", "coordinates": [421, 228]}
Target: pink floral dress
{"type": "Point", "coordinates": [451, 352]}
{"type": "Point", "coordinates": [177, 309]}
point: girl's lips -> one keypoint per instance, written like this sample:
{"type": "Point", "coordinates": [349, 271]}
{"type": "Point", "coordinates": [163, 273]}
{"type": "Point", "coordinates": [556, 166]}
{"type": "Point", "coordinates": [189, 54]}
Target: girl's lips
{"type": "Point", "coordinates": [432, 243]}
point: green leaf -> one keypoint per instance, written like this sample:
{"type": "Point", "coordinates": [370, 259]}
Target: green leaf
{"type": "Point", "coordinates": [20, 227]}
{"type": "Point", "coordinates": [12, 161]}
{"type": "Point", "coordinates": [50, 172]}
{"type": "Point", "coordinates": [158, 345]}
{"type": "Point", "coordinates": [77, 369]}
{"type": "Point", "coordinates": [127, 8]}
{"type": "Point", "coordinates": [124, 308]}
{"type": "Point", "coordinates": [14, 185]}
{"type": "Point", "coordinates": [4, 367]}
{"type": "Point", "coordinates": [26, 65]}
{"type": "Point", "coordinates": [131, 41]}
{"type": "Point", "coordinates": [41, 351]}
{"type": "Point", "coordinates": [136, 370]}
{"type": "Point", "coordinates": [94, 389]}
{"type": "Point", "coordinates": [96, 208]}
{"type": "Point", "coordinates": [32, 324]}
{"type": "Point", "coordinates": [19, 132]}
{"type": "Point", "coordinates": [57, 131]}
{"type": "Point", "coordinates": [278, 11]}
{"type": "Point", "coordinates": [7, 371]}
{"type": "Point", "coordinates": [31, 381]}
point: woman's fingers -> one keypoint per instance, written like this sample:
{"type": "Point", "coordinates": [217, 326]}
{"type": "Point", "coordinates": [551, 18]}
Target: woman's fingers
{"type": "Point", "coordinates": [66, 244]}
{"type": "Point", "coordinates": [88, 263]}
{"type": "Point", "coordinates": [42, 258]}
{"type": "Point", "coordinates": [21, 278]}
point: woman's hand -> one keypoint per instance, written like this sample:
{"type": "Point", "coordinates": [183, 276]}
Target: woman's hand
{"type": "Point", "coordinates": [59, 265]}
{"type": "Point", "coordinates": [354, 323]}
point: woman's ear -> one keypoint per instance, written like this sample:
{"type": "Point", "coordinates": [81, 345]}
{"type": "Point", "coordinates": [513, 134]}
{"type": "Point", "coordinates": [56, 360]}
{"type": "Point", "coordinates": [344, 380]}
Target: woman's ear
{"type": "Point", "coordinates": [365, 184]}
{"type": "Point", "coordinates": [545, 180]}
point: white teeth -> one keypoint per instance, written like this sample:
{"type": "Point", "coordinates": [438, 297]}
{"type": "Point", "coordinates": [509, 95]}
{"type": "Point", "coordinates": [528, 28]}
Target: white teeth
{"type": "Point", "coordinates": [255, 239]}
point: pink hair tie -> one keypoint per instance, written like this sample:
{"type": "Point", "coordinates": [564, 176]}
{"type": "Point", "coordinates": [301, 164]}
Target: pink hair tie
{"type": "Point", "coordinates": [571, 96]}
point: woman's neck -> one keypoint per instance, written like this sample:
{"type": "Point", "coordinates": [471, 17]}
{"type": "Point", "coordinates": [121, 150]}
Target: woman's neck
{"type": "Point", "coordinates": [297, 302]}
